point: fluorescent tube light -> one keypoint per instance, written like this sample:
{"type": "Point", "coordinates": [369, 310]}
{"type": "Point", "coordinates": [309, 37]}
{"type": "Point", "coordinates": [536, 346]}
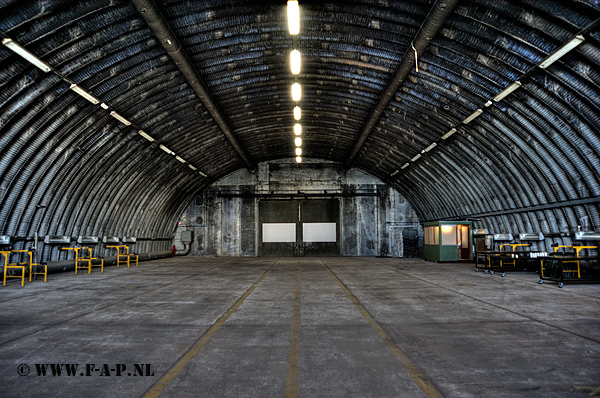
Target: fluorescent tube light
{"type": "Point", "coordinates": [167, 150]}
{"type": "Point", "coordinates": [202, 174]}
{"type": "Point", "coordinates": [146, 136]}
{"type": "Point", "coordinates": [192, 167]}
{"type": "Point", "coordinates": [295, 61]}
{"type": "Point", "coordinates": [298, 141]}
{"type": "Point", "coordinates": [120, 118]}
{"type": "Point", "coordinates": [488, 104]}
{"type": "Point", "coordinates": [182, 160]}
{"type": "Point", "coordinates": [297, 129]}
{"type": "Point", "coordinates": [556, 55]}
{"type": "Point", "coordinates": [293, 11]}
{"type": "Point", "coordinates": [507, 91]}
{"type": "Point", "coordinates": [473, 116]}
{"type": "Point", "coordinates": [298, 159]}
{"type": "Point", "coordinates": [394, 173]}
{"type": "Point", "coordinates": [405, 165]}
{"type": "Point", "coordinates": [296, 92]}
{"type": "Point", "coordinates": [449, 133]}
{"type": "Point", "coordinates": [415, 158]}
{"type": "Point", "coordinates": [84, 94]}
{"type": "Point", "coordinates": [104, 106]}
{"type": "Point", "coordinates": [430, 147]}
{"type": "Point", "coordinates": [298, 151]}
{"type": "Point", "coordinates": [297, 113]}
{"type": "Point", "coordinates": [18, 49]}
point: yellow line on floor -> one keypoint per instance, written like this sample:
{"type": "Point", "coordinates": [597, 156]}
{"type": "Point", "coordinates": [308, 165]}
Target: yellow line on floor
{"type": "Point", "coordinates": [293, 362]}
{"type": "Point", "coordinates": [414, 372]}
{"type": "Point", "coordinates": [168, 377]}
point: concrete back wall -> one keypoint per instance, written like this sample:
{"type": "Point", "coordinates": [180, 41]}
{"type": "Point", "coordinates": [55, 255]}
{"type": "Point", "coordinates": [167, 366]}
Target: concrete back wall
{"type": "Point", "coordinates": [369, 225]}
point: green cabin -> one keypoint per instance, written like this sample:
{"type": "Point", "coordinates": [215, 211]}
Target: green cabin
{"type": "Point", "coordinates": [448, 240]}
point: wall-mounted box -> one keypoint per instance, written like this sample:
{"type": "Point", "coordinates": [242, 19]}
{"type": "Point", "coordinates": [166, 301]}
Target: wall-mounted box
{"type": "Point", "coordinates": [113, 240]}
{"type": "Point", "coordinates": [187, 237]}
{"type": "Point", "coordinates": [591, 235]}
{"type": "Point", "coordinates": [57, 240]}
{"type": "Point", "coordinates": [531, 236]}
{"type": "Point", "coordinates": [88, 240]}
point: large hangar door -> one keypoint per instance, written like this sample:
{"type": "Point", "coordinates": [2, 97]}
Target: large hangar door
{"type": "Point", "coordinates": [293, 228]}
{"type": "Point", "coordinates": [278, 228]}
{"type": "Point", "coordinates": [320, 227]}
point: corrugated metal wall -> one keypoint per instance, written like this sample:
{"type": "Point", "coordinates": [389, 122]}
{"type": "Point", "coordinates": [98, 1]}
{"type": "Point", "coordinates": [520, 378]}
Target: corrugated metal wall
{"type": "Point", "coordinates": [530, 162]}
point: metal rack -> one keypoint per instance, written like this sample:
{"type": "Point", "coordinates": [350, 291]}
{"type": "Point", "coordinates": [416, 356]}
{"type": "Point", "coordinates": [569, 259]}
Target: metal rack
{"type": "Point", "coordinates": [570, 267]}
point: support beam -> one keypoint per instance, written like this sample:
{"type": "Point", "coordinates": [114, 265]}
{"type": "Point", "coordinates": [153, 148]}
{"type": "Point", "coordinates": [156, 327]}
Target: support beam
{"type": "Point", "coordinates": [168, 40]}
{"type": "Point", "coordinates": [550, 206]}
{"type": "Point", "coordinates": [295, 195]}
{"type": "Point", "coordinates": [434, 21]}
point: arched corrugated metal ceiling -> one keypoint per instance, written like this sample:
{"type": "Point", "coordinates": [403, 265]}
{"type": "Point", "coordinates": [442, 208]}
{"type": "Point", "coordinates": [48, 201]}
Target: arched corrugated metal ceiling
{"type": "Point", "coordinates": [530, 162]}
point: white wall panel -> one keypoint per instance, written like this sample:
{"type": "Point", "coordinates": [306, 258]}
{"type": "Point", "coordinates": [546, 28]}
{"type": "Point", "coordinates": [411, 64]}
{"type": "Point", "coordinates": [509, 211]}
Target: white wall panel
{"type": "Point", "coordinates": [279, 233]}
{"type": "Point", "coordinates": [319, 232]}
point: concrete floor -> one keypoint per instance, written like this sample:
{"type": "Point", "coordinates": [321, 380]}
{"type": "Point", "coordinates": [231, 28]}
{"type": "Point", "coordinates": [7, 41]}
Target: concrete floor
{"type": "Point", "coordinates": [309, 327]}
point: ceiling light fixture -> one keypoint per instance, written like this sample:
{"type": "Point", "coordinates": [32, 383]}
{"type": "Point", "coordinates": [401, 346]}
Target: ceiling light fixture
{"type": "Point", "coordinates": [120, 118]}
{"type": "Point", "coordinates": [415, 158]}
{"type": "Point", "coordinates": [298, 151]}
{"type": "Point", "coordinates": [84, 94]}
{"type": "Point", "coordinates": [192, 167]}
{"type": "Point", "coordinates": [298, 159]}
{"type": "Point", "coordinates": [394, 173]}
{"type": "Point", "coordinates": [293, 11]}
{"type": "Point", "coordinates": [449, 133]}
{"type": "Point", "coordinates": [556, 55]}
{"type": "Point", "coordinates": [473, 116]}
{"type": "Point", "coordinates": [507, 91]}
{"type": "Point", "coordinates": [202, 174]}
{"type": "Point", "coordinates": [296, 92]}
{"type": "Point", "coordinates": [405, 165]}
{"type": "Point", "coordinates": [34, 60]}
{"type": "Point", "coordinates": [430, 147]}
{"type": "Point", "coordinates": [16, 48]}
{"type": "Point", "coordinates": [146, 136]}
{"type": "Point", "coordinates": [167, 150]}
{"type": "Point", "coordinates": [297, 129]}
{"type": "Point", "coordinates": [298, 141]}
{"type": "Point", "coordinates": [297, 113]}
{"type": "Point", "coordinates": [295, 61]}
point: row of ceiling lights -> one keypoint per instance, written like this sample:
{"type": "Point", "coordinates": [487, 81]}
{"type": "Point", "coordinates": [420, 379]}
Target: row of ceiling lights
{"type": "Point", "coordinates": [293, 12]}
{"type": "Point", "coordinates": [555, 56]}
{"type": "Point", "coordinates": [34, 60]}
